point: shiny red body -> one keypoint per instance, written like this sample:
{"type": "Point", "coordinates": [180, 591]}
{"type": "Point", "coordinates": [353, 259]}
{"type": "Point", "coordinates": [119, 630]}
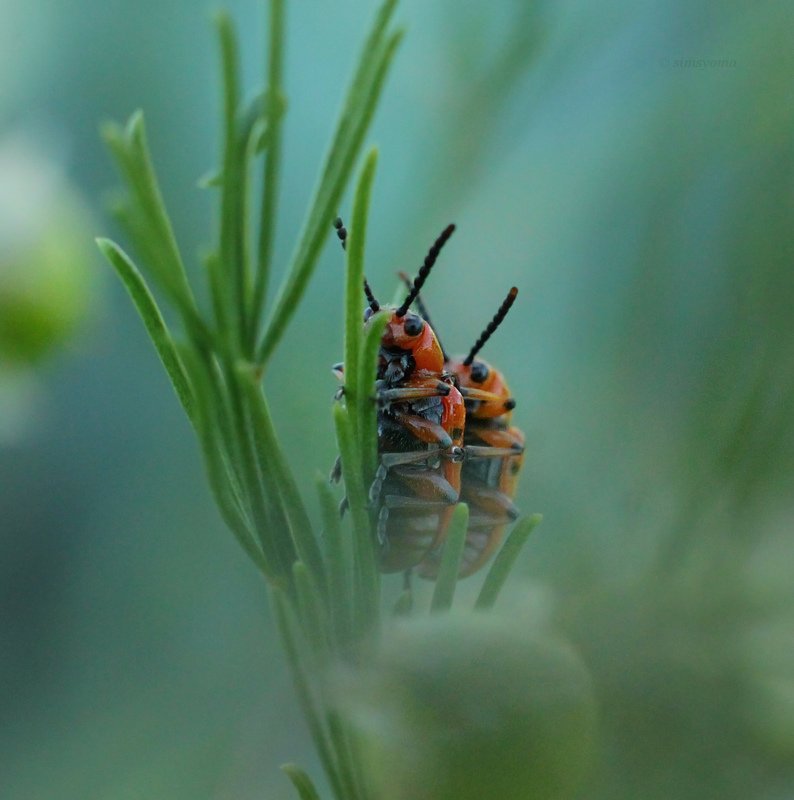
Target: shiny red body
{"type": "Point", "coordinates": [424, 348]}
{"type": "Point", "coordinates": [487, 484]}
{"type": "Point", "coordinates": [418, 497]}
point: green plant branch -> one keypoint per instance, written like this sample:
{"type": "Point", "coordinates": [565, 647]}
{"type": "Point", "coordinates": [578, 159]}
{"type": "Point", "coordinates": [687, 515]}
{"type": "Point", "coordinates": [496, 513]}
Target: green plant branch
{"type": "Point", "coordinates": [325, 584]}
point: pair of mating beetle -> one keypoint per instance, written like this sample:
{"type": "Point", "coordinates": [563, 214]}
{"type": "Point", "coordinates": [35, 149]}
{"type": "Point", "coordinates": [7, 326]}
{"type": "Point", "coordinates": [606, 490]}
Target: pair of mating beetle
{"type": "Point", "coordinates": [444, 436]}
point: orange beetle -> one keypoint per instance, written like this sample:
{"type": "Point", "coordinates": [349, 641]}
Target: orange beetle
{"type": "Point", "coordinates": [489, 481]}
{"type": "Point", "coordinates": [493, 452]}
{"type": "Point", "coordinates": [421, 422]}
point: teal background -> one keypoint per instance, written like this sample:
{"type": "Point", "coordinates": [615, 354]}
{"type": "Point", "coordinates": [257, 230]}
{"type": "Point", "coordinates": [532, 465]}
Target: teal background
{"type": "Point", "coordinates": [642, 202]}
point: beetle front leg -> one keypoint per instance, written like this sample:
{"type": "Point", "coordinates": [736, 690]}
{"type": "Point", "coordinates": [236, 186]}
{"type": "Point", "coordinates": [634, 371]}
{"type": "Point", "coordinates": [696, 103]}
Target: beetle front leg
{"type": "Point", "coordinates": [492, 501]}
{"type": "Point", "coordinates": [511, 438]}
{"type": "Point", "coordinates": [475, 451]}
{"type": "Point", "coordinates": [424, 429]}
{"type": "Point", "coordinates": [386, 396]}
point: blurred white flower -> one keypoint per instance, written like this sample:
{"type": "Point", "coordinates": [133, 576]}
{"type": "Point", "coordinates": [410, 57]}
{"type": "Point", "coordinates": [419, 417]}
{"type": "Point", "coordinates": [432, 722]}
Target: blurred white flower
{"type": "Point", "coordinates": [46, 255]}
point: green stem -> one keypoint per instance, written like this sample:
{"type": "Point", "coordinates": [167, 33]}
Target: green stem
{"type": "Point", "coordinates": [287, 627]}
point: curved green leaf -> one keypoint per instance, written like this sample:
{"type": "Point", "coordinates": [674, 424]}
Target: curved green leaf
{"type": "Point", "coordinates": [153, 320]}
{"type": "Point", "coordinates": [444, 590]}
{"type": "Point", "coordinates": [504, 561]}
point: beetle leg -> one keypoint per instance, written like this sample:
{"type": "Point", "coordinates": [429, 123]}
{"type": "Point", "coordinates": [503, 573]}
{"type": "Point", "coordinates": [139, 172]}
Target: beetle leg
{"type": "Point", "coordinates": [377, 484]}
{"type": "Point", "coordinates": [383, 540]}
{"type": "Point", "coordinates": [423, 429]}
{"type": "Point", "coordinates": [395, 501]}
{"type": "Point", "coordinates": [336, 471]}
{"type": "Point", "coordinates": [428, 485]}
{"type": "Point", "coordinates": [499, 437]}
{"type": "Point", "coordinates": [480, 395]}
{"type": "Point", "coordinates": [385, 396]}
{"type": "Point", "coordinates": [390, 460]}
{"type": "Point", "coordinates": [343, 506]}
{"type": "Point", "coordinates": [486, 521]}
{"type": "Point", "coordinates": [489, 500]}
{"type": "Point", "coordinates": [475, 451]}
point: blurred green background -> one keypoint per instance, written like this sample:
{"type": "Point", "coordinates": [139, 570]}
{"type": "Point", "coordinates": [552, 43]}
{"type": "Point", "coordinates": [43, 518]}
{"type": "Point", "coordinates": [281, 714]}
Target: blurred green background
{"type": "Point", "coordinates": [628, 166]}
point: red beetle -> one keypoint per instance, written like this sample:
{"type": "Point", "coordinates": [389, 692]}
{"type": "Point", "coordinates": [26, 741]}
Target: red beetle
{"type": "Point", "coordinates": [421, 421]}
{"type": "Point", "coordinates": [493, 451]}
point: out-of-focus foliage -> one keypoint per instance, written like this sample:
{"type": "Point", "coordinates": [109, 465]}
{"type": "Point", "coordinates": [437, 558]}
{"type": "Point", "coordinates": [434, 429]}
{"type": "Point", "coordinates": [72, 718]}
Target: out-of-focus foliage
{"type": "Point", "coordinates": [471, 706]}
{"type": "Point", "coordinates": [48, 284]}
{"type": "Point", "coordinates": [46, 264]}
{"type": "Point", "coordinates": [633, 177]}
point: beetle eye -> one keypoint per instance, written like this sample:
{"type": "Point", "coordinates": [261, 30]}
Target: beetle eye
{"type": "Point", "coordinates": [413, 325]}
{"type": "Point", "coordinates": [479, 372]}
{"type": "Point", "coordinates": [368, 312]}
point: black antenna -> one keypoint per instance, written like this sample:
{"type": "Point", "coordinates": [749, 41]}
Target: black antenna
{"type": "Point", "coordinates": [373, 303]}
{"type": "Point", "coordinates": [423, 311]}
{"type": "Point", "coordinates": [424, 270]}
{"type": "Point", "coordinates": [341, 232]}
{"type": "Point", "coordinates": [492, 325]}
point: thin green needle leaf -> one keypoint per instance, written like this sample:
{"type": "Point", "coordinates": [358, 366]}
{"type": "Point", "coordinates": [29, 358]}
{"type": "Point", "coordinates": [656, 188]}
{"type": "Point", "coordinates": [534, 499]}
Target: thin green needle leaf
{"type": "Point", "coordinates": [316, 633]}
{"type": "Point", "coordinates": [221, 404]}
{"type": "Point", "coordinates": [211, 179]}
{"type": "Point", "coordinates": [272, 170]}
{"type": "Point", "coordinates": [312, 612]}
{"type": "Point", "coordinates": [398, 295]}
{"type": "Point", "coordinates": [135, 226]}
{"type": "Point", "coordinates": [358, 397]}
{"type": "Point", "coordinates": [216, 464]}
{"type": "Point", "coordinates": [368, 409]}
{"type": "Point", "coordinates": [354, 292]}
{"type": "Point", "coordinates": [232, 280]}
{"type": "Point", "coordinates": [277, 473]}
{"type": "Point", "coordinates": [504, 561]}
{"type": "Point", "coordinates": [288, 629]}
{"type": "Point", "coordinates": [338, 563]}
{"type": "Point", "coordinates": [351, 128]}
{"type": "Point", "coordinates": [366, 581]}
{"type": "Point", "coordinates": [132, 155]}
{"type": "Point", "coordinates": [357, 89]}
{"type": "Point", "coordinates": [447, 580]}
{"type": "Point", "coordinates": [358, 124]}
{"type": "Point", "coordinates": [351, 466]}
{"type": "Point", "coordinates": [230, 71]}
{"type": "Point", "coordinates": [269, 521]}
{"type": "Point", "coordinates": [152, 319]}
{"type": "Point", "coordinates": [301, 781]}
{"type": "Point", "coordinates": [344, 741]}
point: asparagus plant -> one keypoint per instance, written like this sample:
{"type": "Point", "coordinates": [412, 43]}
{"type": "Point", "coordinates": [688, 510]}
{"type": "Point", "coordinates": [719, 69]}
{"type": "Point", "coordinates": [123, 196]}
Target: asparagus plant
{"type": "Point", "coordinates": [323, 579]}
